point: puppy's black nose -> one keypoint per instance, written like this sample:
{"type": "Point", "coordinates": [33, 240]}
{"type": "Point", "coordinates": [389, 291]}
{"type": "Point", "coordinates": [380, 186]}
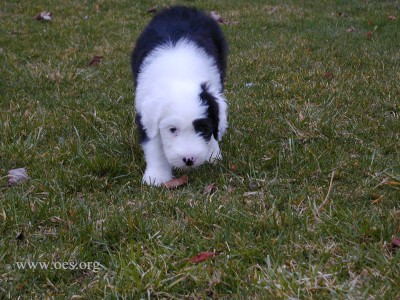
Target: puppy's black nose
{"type": "Point", "coordinates": [188, 161]}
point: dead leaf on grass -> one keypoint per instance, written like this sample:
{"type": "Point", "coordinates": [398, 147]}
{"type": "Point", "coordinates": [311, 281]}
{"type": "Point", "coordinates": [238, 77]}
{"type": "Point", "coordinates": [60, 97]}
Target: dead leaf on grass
{"type": "Point", "coordinates": [202, 256]}
{"type": "Point", "coordinates": [209, 189]}
{"type": "Point", "coordinates": [395, 242]}
{"type": "Point", "coordinates": [370, 34]}
{"type": "Point", "coordinates": [44, 16]}
{"type": "Point", "coordinates": [376, 198]}
{"type": "Point", "coordinates": [95, 60]}
{"type": "Point", "coordinates": [17, 176]}
{"type": "Point", "coordinates": [176, 182]}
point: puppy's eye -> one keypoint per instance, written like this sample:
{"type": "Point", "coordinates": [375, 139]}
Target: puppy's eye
{"type": "Point", "coordinates": [173, 129]}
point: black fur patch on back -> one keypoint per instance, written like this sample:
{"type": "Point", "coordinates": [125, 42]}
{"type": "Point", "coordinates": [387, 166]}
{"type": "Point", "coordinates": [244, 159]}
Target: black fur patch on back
{"type": "Point", "coordinates": [142, 132]}
{"type": "Point", "coordinates": [174, 24]}
{"type": "Point", "coordinates": [208, 100]}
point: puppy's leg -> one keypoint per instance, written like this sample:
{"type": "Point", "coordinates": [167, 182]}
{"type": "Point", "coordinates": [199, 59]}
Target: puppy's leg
{"type": "Point", "coordinates": [158, 170]}
{"type": "Point", "coordinates": [214, 153]}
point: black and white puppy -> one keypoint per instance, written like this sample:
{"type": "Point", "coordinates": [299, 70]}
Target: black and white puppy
{"type": "Point", "coordinates": [178, 65]}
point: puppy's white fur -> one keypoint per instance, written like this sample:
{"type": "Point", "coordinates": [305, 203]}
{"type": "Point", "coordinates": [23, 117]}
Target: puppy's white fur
{"type": "Point", "coordinates": [167, 99]}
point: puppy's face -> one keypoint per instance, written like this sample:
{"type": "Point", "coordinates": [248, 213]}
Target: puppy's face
{"type": "Point", "coordinates": [185, 142]}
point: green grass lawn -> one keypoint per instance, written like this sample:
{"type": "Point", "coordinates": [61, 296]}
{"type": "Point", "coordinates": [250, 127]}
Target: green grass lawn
{"type": "Point", "coordinates": [306, 200]}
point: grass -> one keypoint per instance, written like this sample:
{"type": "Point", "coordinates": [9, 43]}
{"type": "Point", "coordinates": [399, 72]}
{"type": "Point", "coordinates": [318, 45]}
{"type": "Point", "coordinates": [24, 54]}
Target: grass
{"type": "Point", "coordinates": [307, 196]}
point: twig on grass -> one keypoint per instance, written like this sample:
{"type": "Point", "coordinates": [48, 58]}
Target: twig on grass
{"type": "Point", "coordinates": [328, 193]}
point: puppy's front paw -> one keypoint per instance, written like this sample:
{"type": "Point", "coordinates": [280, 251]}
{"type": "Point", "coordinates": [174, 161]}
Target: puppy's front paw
{"type": "Point", "coordinates": [156, 177]}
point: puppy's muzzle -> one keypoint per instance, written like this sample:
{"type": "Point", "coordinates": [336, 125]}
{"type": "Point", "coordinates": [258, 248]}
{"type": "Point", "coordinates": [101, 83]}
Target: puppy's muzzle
{"type": "Point", "coordinates": [189, 161]}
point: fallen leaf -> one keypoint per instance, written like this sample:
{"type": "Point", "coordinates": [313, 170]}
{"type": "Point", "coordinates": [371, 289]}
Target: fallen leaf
{"type": "Point", "coordinates": [202, 256]}
{"type": "Point", "coordinates": [395, 242]}
{"type": "Point", "coordinates": [369, 34]}
{"type": "Point", "coordinates": [369, 22]}
{"type": "Point", "coordinates": [328, 75]}
{"type": "Point", "coordinates": [391, 18]}
{"type": "Point", "coordinates": [95, 60]}
{"type": "Point", "coordinates": [232, 167]}
{"type": "Point", "coordinates": [176, 182]}
{"type": "Point", "coordinates": [209, 189]}
{"type": "Point", "coordinates": [17, 176]}
{"type": "Point", "coordinates": [44, 16]}
{"type": "Point", "coordinates": [376, 198]}
{"type": "Point", "coordinates": [365, 272]}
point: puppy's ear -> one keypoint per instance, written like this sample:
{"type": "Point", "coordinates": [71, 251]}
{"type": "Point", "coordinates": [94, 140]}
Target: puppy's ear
{"type": "Point", "coordinates": [216, 106]}
{"type": "Point", "coordinates": [150, 117]}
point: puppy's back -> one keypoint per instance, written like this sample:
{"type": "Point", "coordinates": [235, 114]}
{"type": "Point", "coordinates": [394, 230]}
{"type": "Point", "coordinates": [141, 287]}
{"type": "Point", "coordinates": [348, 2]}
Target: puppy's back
{"type": "Point", "coordinates": [174, 24]}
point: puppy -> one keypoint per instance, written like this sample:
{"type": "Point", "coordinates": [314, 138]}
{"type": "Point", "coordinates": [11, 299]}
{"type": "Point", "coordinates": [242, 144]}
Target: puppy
{"type": "Point", "coordinates": [178, 65]}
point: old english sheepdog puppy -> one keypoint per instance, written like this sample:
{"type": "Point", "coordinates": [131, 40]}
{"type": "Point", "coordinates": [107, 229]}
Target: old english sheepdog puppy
{"type": "Point", "coordinates": [178, 65]}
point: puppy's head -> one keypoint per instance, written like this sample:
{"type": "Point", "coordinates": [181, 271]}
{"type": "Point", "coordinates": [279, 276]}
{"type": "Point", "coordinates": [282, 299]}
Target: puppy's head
{"type": "Point", "coordinates": [185, 142]}
{"type": "Point", "coordinates": [187, 128]}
